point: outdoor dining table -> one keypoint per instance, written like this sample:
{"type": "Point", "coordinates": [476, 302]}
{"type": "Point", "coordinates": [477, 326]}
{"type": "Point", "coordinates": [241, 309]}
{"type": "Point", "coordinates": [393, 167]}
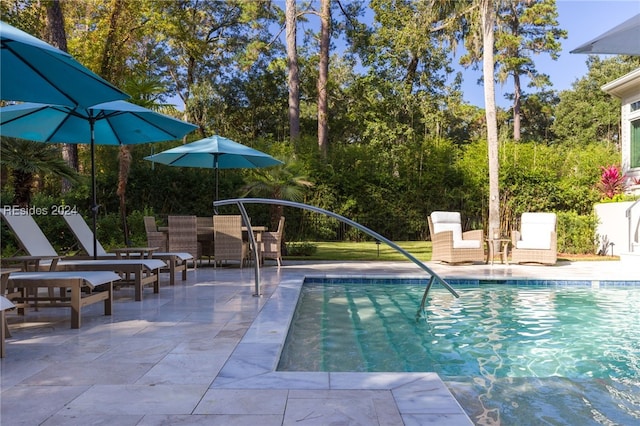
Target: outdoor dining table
{"type": "Point", "coordinates": [205, 233]}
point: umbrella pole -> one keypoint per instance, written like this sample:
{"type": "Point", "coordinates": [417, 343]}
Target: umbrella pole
{"type": "Point", "coordinates": [215, 165]}
{"type": "Point", "coordinates": [94, 205]}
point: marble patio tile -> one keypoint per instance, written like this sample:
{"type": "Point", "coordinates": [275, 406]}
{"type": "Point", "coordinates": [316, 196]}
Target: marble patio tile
{"type": "Point", "coordinates": [184, 369]}
{"type": "Point", "coordinates": [239, 369]}
{"type": "Point", "coordinates": [215, 346]}
{"type": "Point", "coordinates": [14, 369]}
{"type": "Point", "coordinates": [72, 374]}
{"type": "Point", "coordinates": [436, 419]}
{"type": "Point", "coordinates": [136, 399]}
{"type": "Point", "coordinates": [93, 420]}
{"type": "Point", "coordinates": [353, 410]}
{"type": "Point", "coordinates": [276, 380]}
{"type": "Point", "coordinates": [427, 402]}
{"type": "Point", "coordinates": [243, 401]}
{"type": "Point", "coordinates": [139, 349]}
{"type": "Point", "coordinates": [355, 380]}
{"type": "Point", "coordinates": [32, 405]}
{"type": "Point", "coordinates": [213, 419]}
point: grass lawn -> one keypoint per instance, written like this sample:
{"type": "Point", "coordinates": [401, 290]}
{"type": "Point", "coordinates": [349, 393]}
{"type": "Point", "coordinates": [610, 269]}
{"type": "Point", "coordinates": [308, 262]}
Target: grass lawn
{"type": "Point", "coordinates": [370, 251]}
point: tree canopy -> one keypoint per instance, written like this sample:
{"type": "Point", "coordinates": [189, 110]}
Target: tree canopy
{"type": "Point", "coordinates": [400, 140]}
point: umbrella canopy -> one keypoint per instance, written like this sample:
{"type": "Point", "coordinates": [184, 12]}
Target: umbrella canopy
{"type": "Point", "coordinates": [623, 39]}
{"type": "Point", "coordinates": [214, 152]}
{"type": "Point", "coordinates": [34, 71]}
{"type": "Point", "coordinates": [109, 123]}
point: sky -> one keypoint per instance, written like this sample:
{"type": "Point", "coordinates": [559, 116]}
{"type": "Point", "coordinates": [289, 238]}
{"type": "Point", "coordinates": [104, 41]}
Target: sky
{"type": "Point", "coordinates": [583, 20]}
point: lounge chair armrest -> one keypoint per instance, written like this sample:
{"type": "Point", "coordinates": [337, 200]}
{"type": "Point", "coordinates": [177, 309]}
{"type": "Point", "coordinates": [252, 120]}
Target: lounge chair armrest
{"type": "Point", "coordinates": [476, 235]}
{"type": "Point", "coordinates": [515, 236]}
{"type": "Point", "coordinates": [444, 236]}
{"type": "Point", "coordinates": [27, 261]}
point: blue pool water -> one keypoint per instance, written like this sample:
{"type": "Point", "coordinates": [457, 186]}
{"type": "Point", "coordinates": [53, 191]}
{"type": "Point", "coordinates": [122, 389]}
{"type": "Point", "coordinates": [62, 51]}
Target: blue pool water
{"type": "Point", "coordinates": [511, 354]}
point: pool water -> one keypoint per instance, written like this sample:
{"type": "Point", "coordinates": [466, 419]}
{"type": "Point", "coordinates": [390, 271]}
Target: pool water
{"type": "Point", "coordinates": [552, 355]}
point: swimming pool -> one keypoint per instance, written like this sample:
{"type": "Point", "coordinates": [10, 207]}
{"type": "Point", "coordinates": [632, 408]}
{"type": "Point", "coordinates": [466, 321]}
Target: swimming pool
{"type": "Point", "coordinates": [524, 352]}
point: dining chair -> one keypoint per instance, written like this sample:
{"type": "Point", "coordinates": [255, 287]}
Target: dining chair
{"type": "Point", "coordinates": [227, 239]}
{"type": "Point", "coordinates": [271, 247]}
{"type": "Point", "coordinates": [155, 238]}
{"type": "Point", "coordinates": [205, 237]}
{"type": "Point", "coordinates": [183, 236]}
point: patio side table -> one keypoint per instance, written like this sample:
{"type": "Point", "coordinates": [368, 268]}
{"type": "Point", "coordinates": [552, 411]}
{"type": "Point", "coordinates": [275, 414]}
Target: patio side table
{"type": "Point", "coordinates": [503, 246]}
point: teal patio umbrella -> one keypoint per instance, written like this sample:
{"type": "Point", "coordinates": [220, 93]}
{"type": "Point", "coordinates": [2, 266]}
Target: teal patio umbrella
{"type": "Point", "coordinates": [34, 71]}
{"type": "Point", "coordinates": [214, 152]}
{"type": "Point", "coordinates": [623, 39]}
{"type": "Point", "coordinates": [109, 123]}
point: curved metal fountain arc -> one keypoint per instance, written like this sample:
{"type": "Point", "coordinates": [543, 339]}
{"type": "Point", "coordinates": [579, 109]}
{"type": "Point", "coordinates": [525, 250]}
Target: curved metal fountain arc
{"type": "Point", "coordinates": [241, 201]}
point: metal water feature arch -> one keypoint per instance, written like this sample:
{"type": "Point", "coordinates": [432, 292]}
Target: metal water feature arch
{"type": "Point", "coordinates": [240, 202]}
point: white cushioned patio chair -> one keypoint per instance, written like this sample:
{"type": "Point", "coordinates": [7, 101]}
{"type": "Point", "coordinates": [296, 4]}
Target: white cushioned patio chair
{"type": "Point", "coordinates": [536, 242]}
{"type": "Point", "coordinates": [450, 244]}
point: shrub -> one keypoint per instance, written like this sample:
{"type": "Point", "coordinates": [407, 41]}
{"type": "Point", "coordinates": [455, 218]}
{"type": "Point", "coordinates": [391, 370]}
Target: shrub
{"type": "Point", "coordinates": [301, 248]}
{"type": "Point", "coordinates": [611, 182]}
{"type": "Point", "coordinates": [577, 233]}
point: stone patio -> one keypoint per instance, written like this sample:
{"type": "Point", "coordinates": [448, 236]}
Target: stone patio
{"type": "Point", "coordinates": [205, 352]}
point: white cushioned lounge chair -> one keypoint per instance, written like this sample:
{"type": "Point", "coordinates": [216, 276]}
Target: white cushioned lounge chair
{"type": "Point", "coordinates": [450, 244]}
{"type": "Point", "coordinates": [536, 242]}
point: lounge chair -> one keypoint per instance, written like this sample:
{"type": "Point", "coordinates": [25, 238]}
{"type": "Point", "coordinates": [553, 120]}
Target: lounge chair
{"type": "Point", "coordinates": [81, 283]}
{"type": "Point", "coordinates": [450, 244]}
{"type": "Point", "coordinates": [227, 239]}
{"type": "Point", "coordinates": [4, 305]}
{"type": "Point", "coordinates": [41, 252]}
{"type": "Point", "coordinates": [176, 261]}
{"type": "Point", "coordinates": [536, 242]}
{"type": "Point", "coordinates": [271, 244]}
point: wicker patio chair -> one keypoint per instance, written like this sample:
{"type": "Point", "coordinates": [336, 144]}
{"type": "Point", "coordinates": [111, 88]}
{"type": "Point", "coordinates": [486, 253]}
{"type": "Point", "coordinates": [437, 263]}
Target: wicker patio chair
{"type": "Point", "coordinates": [155, 238]}
{"type": "Point", "coordinates": [272, 244]}
{"type": "Point", "coordinates": [183, 236]}
{"type": "Point", "coordinates": [536, 242]}
{"type": "Point", "coordinates": [205, 237]}
{"type": "Point", "coordinates": [227, 239]}
{"type": "Point", "coordinates": [450, 244]}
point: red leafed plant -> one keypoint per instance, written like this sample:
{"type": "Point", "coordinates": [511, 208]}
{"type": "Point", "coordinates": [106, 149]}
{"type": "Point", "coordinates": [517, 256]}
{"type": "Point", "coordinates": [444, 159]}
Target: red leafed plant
{"type": "Point", "coordinates": [611, 181]}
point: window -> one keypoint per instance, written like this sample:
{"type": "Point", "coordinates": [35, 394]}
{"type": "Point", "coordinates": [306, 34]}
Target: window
{"type": "Point", "coordinates": [635, 106]}
{"type": "Point", "coordinates": [635, 144]}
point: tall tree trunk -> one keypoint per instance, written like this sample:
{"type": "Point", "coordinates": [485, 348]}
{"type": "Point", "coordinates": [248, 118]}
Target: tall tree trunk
{"type": "Point", "coordinates": [57, 36]}
{"type": "Point", "coordinates": [107, 72]}
{"type": "Point", "coordinates": [517, 101]}
{"type": "Point", "coordinates": [123, 176]}
{"type": "Point", "coordinates": [487, 10]}
{"type": "Point", "coordinates": [323, 76]}
{"type": "Point", "coordinates": [294, 72]}
{"type": "Point", "coordinates": [106, 66]}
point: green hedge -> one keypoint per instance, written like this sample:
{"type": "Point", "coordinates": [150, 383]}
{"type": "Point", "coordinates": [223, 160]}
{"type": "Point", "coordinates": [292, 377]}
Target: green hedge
{"type": "Point", "coordinates": [577, 233]}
